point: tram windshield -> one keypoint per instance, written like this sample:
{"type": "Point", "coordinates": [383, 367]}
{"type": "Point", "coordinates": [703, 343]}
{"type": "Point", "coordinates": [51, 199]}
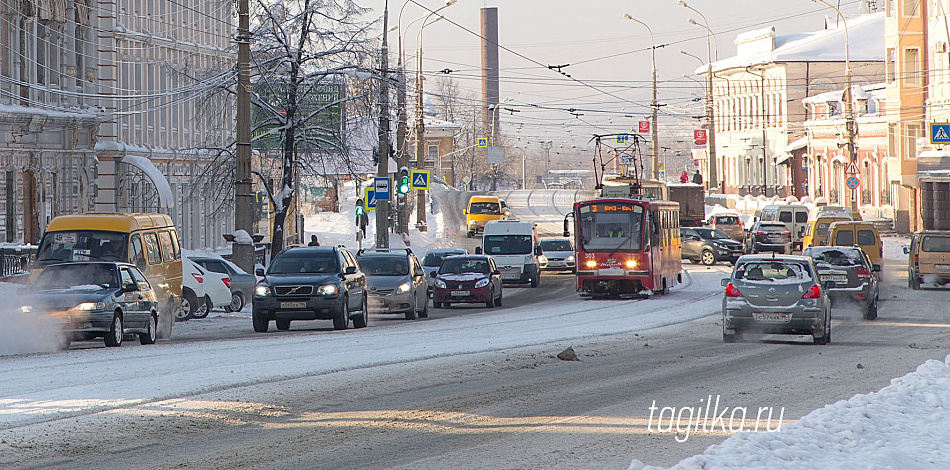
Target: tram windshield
{"type": "Point", "coordinates": [610, 226]}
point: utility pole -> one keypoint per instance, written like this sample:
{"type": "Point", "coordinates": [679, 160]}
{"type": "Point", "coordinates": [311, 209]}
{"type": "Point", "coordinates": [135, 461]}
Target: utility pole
{"type": "Point", "coordinates": [243, 253]}
{"type": "Point", "coordinates": [402, 157]}
{"type": "Point", "coordinates": [382, 207]}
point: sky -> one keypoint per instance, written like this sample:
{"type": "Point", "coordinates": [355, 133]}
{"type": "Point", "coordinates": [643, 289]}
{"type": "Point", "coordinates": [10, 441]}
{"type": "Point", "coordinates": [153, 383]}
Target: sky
{"type": "Point", "coordinates": [609, 57]}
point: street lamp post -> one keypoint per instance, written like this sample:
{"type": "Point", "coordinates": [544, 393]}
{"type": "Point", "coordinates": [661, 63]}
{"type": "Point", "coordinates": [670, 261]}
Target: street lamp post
{"type": "Point", "coordinates": [655, 105]}
{"type": "Point", "coordinates": [524, 165]}
{"type": "Point", "coordinates": [710, 110]}
{"type": "Point", "coordinates": [382, 170]}
{"type": "Point", "coordinates": [847, 98]}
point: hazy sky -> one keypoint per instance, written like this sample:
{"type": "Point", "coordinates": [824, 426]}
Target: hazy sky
{"type": "Point", "coordinates": [610, 56]}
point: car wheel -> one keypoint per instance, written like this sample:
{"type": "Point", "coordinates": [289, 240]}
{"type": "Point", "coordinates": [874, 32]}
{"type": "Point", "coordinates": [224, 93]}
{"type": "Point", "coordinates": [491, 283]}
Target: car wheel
{"type": "Point", "coordinates": [694, 261]}
{"type": "Point", "coordinates": [436, 304]}
{"type": "Point", "coordinates": [151, 331]}
{"type": "Point", "coordinates": [282, 324]}
{"type": "Point", "coordinates": [411, 313]}
{"type": "Point", "coordinates": [827, 336]}
{"type": "Point", "coordinates": [536, 280]}
{"type": "Point", "coordinates": [342, 319]}
{"type": "Point", "coordinates": [708, 257]}
{"type": "Point", "coordinates": [913, 280]}
{"type": "Point", "coordinates": [870, 313]}
{"type": "Point", "coordinates": [204, 309]}
{"type": "Point", "coordinates": [113, 338]}
{"type": "Point", "coordinates": [187, 306]}
{"type": "Point", "coordinates": [260, 322]}
{"type": "Point", "coordinates": [63, 341]}
{"type": "Point", "coordinates": [424, 313]}
{"type": "Point", "coordinates": [490, 303]}
{"type": "Point", "coordinates": [446, 304]}
{"type": "Point", "coordinates": [731, 338]}
{"type": "Point", "coordinates": [498, 300]}
{"type": "Point", "coordinates": [237, 302]}
{"type": "Point", "coordinates": [361, 320]}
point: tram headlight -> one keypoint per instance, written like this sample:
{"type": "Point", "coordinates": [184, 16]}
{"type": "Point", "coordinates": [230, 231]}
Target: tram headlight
{"type": "Point", "coordinates": [631, 264]}
{"type": "Point", "coordinates": [591, 263]}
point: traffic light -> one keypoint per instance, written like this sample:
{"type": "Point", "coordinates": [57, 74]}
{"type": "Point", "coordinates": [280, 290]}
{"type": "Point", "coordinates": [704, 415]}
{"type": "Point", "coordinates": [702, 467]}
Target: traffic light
{"type": "Point", "coordinates": [359, 208]}
{"type": "Point", "coordinates": [403, 186]}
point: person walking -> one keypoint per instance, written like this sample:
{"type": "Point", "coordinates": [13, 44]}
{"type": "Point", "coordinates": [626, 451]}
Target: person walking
{"type": "Point", "coordinates": [697, 178]}
{"type": "Point", "coordinates": [313, 241]}
{"type": "Point", "coordinates": [684, 178]}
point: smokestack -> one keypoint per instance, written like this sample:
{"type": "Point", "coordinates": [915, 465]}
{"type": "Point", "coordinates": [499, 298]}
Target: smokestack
{"type": "Point", "coordinates": [490, 93]}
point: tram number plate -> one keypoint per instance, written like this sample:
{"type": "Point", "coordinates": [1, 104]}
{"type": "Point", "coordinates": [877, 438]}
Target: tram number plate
{"type": "Point", "coordinates": [773, 317]}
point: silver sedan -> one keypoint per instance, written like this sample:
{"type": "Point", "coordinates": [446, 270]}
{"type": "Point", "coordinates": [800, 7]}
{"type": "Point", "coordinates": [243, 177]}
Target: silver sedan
{"type": "Point", "coordinates": [776, 294]}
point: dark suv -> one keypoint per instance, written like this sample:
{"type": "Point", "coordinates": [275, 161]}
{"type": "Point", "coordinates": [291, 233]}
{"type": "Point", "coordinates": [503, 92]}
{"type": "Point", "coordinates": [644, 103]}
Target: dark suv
{"type": "Point", "coordinates": [311, 283]}
{"type": "Point", "coordinates": [854, 276]}
{"type": "Point", "coordinates": [706, 245]}
{"type": "Point", "coordinates": [769, 236]}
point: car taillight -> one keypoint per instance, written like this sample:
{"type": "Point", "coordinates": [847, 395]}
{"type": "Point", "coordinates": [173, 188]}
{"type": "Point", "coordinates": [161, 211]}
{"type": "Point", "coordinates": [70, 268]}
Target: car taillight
{"type": "Point", "coordinates": [812, 293]}
{"type": "Point", "coordinates": [198, 277]}
{"type": "Point", "coordinates": [863, 272]}
{"type": "Point", "coordinates": [731, 291]}
{"type": "Point", "coordinates": [761, 234]}
{"type": "Point", "coordinates": [916, 259]}
{"type": "Point", "coordinates": [227, 282]}
{"type": "Point", "coordinates": [788, 234]}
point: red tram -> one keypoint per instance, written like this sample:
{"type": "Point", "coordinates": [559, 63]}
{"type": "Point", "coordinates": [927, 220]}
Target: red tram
{"type": "Point", "coordinates": [626, 247]}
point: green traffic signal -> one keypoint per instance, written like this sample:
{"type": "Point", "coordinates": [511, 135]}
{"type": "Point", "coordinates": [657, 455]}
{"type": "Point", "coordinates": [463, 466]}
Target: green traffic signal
{"type": "Point", "coordinates": [359, 207]}
{"type": "Point", "coordinates": [403, 182]}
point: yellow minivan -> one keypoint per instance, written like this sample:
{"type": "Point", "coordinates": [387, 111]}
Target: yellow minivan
{"type": "Point", "coordinates": [816, 231]}
{"type": "Point", "coordinates": [860, 234]}
{"type": "Point", "coordinates": [482, 209]}
{"type": "Point", "coordinates": [928, 258]}
{"type": "Point", "coordinates": [150, 241]}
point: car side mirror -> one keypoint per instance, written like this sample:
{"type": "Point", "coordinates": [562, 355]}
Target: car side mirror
{"type": "Point", "coordinates": [464, 211]}
{"type": "Point", "coordinates": [130, 287]}
{"type": "Point", "coordinates": [875, 268]}
{"type": "Point", "coordinates": [350, 270]}
{"type": "Point", "coordinates": [496, 273]}
{"type": "Point", "coordinates": [906, 250]}
{"type": "Point", "coordinates": [433, 274]}
{"type": "Point", "coordinates": [478, 250]}
{"type": "Point", "coordinates": [259, 271]}
{"type": "Point", "coordinates": [724, 282]}
{"type": "Point", "coordinates": [418, 273]}
{"type": "Point", "coordinates": [537, 251]}
{"type": "Point", "coordinates": [830, 284]}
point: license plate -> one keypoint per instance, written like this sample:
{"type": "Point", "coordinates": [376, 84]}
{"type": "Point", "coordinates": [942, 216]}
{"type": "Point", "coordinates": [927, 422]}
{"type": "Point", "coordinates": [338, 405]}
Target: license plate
{"type": "Point", "coordinates": [557, 263]}
{"type": "Point", "coordinates": [942, 267]}
{"type": "Point", "coordinates": [775, 235]}
{"type": "Point", "coordinates": [835, 278]}
{"type": "Point", "coordinates": [460, 293]}
{"type": "Point", "coordinates": [773, 317]}
{"type": "Point", "coordinates": [293, 305]}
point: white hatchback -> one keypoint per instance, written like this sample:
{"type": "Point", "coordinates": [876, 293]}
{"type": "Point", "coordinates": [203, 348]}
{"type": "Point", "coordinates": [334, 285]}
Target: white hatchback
{"type": "Point", "coordinates": [557, 254]}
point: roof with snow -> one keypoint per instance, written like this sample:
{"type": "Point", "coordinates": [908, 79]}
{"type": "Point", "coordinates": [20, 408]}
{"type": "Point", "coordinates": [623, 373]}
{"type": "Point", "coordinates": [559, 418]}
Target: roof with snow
{"type": "Point", "coordinates": [865, 37]}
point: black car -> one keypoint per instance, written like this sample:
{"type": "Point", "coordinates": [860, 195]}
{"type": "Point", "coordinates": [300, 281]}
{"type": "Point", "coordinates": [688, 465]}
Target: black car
{"type": "Point", "coordinates": [769, 236]}
{"type": "Point", "coordinates": [396, 282]}
{"type": "Point", "coordinates": [853, 273]}
{"type": "Point", "coordinates": [311, 283]}
{"type": "Point", "coordinates": [95, 299]}
{"type": "Point", "coordinates": [706, 245]}
{"type": "Point", "coordinates": [242, 283]}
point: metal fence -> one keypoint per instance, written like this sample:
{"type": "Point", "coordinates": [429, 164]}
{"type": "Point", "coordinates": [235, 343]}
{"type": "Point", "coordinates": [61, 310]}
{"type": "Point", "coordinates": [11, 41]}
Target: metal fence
{"type": "Point", "coordinates": [16, 259]}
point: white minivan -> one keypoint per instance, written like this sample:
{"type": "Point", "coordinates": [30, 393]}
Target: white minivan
{"type": "Point", "coordinates": [794, 216]}
{"type": "Point", "coordinates": [513, 244]}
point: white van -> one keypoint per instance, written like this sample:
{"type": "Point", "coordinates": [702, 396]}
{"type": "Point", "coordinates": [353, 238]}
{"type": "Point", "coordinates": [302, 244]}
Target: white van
{"type": "Point", "coordinates": [513, 244]}
{"type": "Point", "coordinates": [794, 216]}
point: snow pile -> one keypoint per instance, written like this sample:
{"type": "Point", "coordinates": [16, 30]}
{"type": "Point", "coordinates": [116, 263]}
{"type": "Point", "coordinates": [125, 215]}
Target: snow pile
{"type": "Point", "coordinates": [902, 426]}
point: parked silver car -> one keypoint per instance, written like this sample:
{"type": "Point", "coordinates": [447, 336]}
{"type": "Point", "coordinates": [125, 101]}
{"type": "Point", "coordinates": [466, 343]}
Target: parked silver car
{"type": "Point", "coordinates": [776, 294]}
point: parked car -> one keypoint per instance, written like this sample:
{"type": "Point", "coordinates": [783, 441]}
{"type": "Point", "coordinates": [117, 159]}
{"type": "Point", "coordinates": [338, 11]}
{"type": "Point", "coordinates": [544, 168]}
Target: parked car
{"type": "Point", "coordinates": [705, 245]}
{"type": "Point", "coordinates": [557, 254]}
{"type": "Point", "coordinates": [217, 291]}
{"type": "Point", "coordinates": [781, 295]}
{"type": "Point", "coordinates": [310, 283]}
{"type": "Point", "coordinates": [727, 223]}
{"type": "Point", "coordinates": [928, 258]}
{"type": "Point", "coordinates": [853, 274]}
{"type": "Point", "coordinates": [106, 300]}
{"type": "Point", "coordinates": [768, 236]}
{"type": "Point", "coordinates": [433, 259]}
{"type": "Point", "coordinates": [242, 283]}
{"type": "Point", "coordinates": [396, 282]}
{"type": "Point", "coordinates": [193, 292]}
{"type": "Point", "coordinates": [467, 279]}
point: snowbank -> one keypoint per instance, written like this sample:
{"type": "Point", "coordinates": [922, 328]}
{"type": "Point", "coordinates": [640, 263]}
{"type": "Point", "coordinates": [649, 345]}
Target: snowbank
{"type": "Point", "coordinates": [901, 426]}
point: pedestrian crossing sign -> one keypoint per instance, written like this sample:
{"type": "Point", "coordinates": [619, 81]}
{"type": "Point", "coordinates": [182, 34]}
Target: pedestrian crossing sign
{"type": "Point", "coordinates": [482, 142]}
{"type": "Point", "coordinates": [419, 179]}
{"type": "Point", "coordinates": [940, 133]}
{"type": "Point", "coordinates": [369, 198]}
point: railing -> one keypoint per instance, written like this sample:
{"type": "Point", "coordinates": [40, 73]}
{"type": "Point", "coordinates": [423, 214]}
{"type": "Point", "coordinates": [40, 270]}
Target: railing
{"type": "Point", "coordinates": [16, 259]}
{"type": "Point", "coordinates": [885, 197]}
{"type": "Point", "coordinates": [866, 196]}
{"type": "Point", "coordinates": [833, 196]}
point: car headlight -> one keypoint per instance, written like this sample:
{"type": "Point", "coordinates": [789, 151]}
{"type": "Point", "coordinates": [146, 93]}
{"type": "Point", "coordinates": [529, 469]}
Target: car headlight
{"type": "Point", "coordinates": [262, 290]}
{"type": "Point", "coordinates": [570, 259]}
{"type": "Point", "coordinates": [471, 222]}
{"type": "Point", "coordinates": [481, 283]}
{"type": "Point", "coordinates": [439, 284]}
{"type": "Point", "coordinates": [542, 259]}
{"type": "Point", "coordinates": [328, 289]}
{"type": "Point", "coordinates": [403, 288]}
{"type": "Point", "coordinates": [26, 308]}
{"type": "Point", "coordinates": [91, 306]}
{"type": "Point", "coordinates": [631, 263]}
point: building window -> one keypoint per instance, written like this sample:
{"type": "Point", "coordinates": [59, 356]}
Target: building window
{"type": "Point", "coordinates": [892, 139]}
{"type": "Point", "coordinates": [433, 153]}
{"type": "Point", "coordinates": [891, 63]}
{"type": "Point", "coordinates": [914, 131]}
{"type": "Point", "coordinates": [889, 8]}
{"type": "Point", "coordinates": [911, 9]}
{"type": "Point", "coordinates": [910, 68]}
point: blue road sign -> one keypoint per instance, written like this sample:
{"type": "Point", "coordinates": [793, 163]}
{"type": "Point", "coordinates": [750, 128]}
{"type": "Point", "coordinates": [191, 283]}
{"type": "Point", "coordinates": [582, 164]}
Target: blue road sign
{"type": "Point", "coordinates": [419, 179]}
{"type": "Point", "coordinates": [853, 182]}
{"type": "Point", "coordinates": [482, 142]}
{"type": "Point", "coordinates": [940, 133]}
{"type": "Point", "coordinates": [626, 158]}
{"type": "Point", "coordinates": [369, 198]}
{"type": "Point", "coordinates": [383, 188]}
{"type": "Point", "coordinates": [622, 138]}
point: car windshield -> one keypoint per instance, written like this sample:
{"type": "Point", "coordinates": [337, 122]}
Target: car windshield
{"type": "Point", "coordinates": [435, 259]}
{"type": "Point", "coordinates": [711, 234]}
{"type": "Point", "coordinates": [834, 257]}
{"type": "Point", "coordinates": [384, 265]}
{"type": "Point", "coordinates": [935, 244]}
{"type": "Point", "coordinates": [775, 272]}
{"type": "Point", "coordinates": [76, 276]}
{"type": "Point", "coordinates": [292, 263]}
{"type": "Point", "coordinates": [556, 245]}
{"type": "Point", "coordinates": [507, 244]}
{"type": "Point", "coordinates": [464, 266]}
{"type": "Point", "coordinates": [484, 208]}
{"type": "Point", "coordinates": [610, 227]}
{"type": "Point", "coordinates": [82, 245]}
